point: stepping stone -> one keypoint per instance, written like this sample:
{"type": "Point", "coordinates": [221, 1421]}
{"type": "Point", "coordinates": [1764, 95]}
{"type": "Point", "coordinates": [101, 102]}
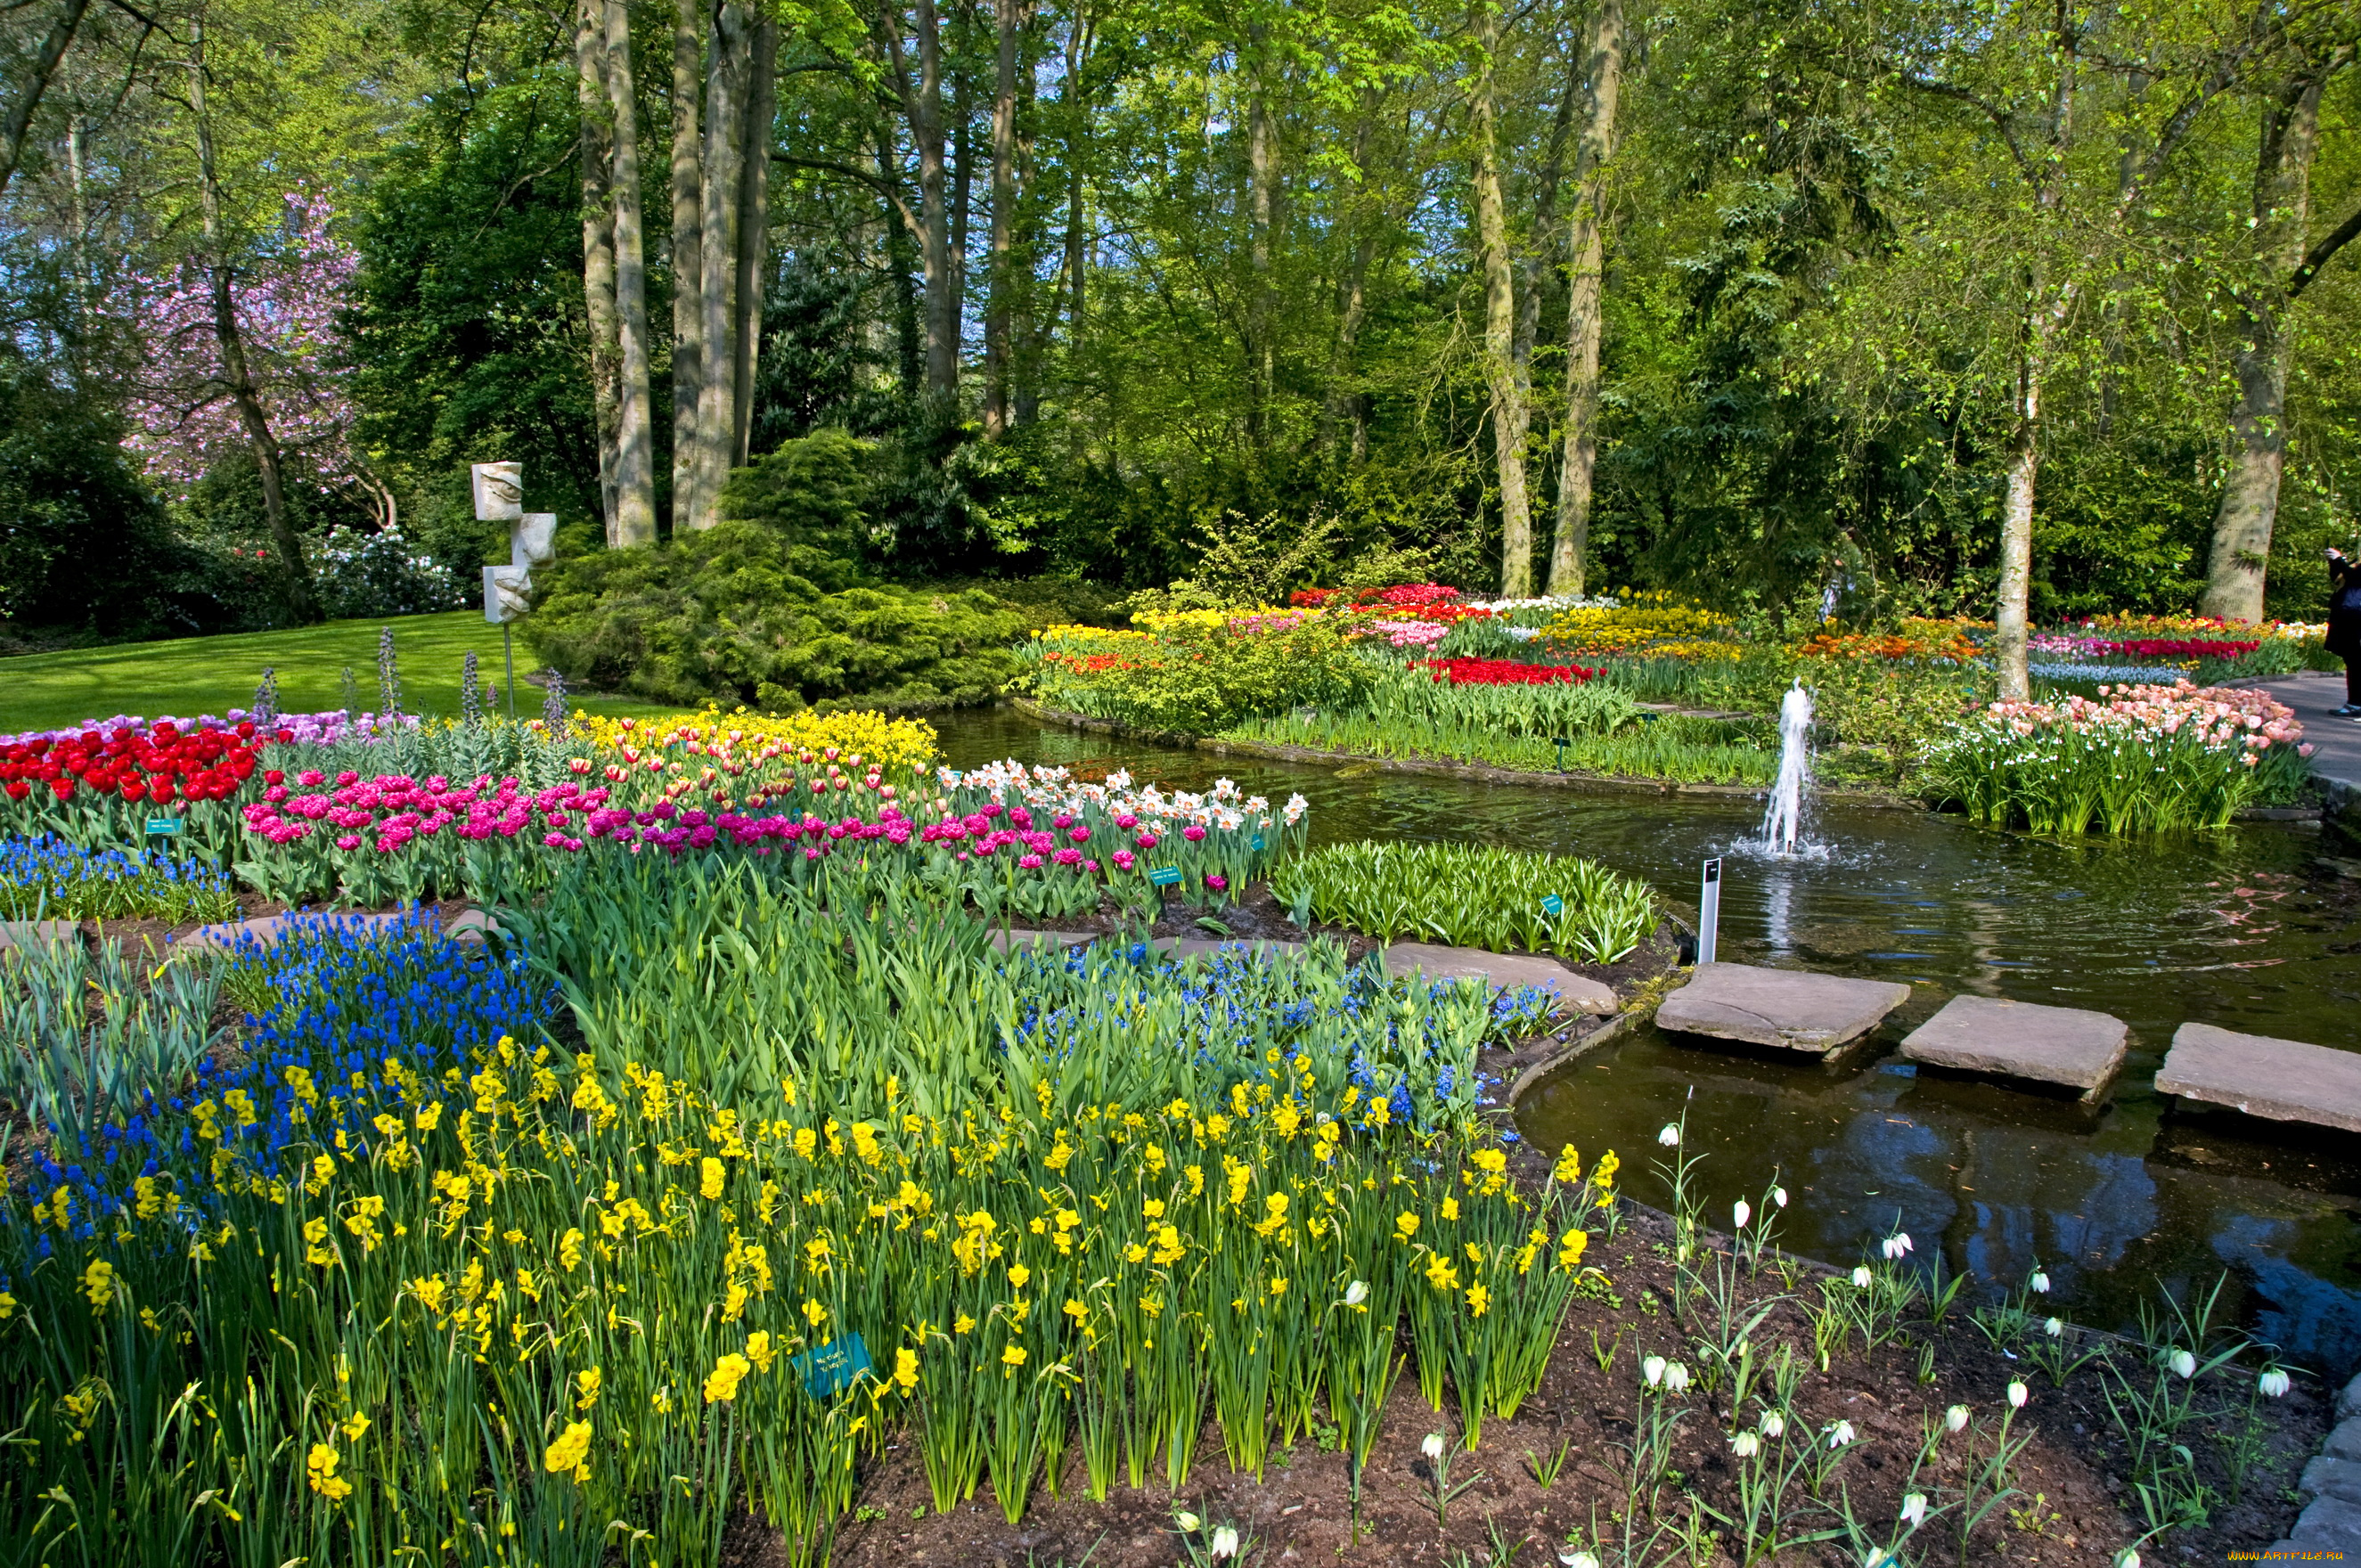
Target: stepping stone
{"type": "Point", "coordinates": [472, 926]}
{"type": "Point", "coordinates": [1009, 941]}
{"type": "Point", "coordinates": [1790, 1009]}
{"type": "Point", "coordinates": [31, 934]}
{"type": "Point", "coordinates": [268, 928]}
{"type": "Point", "coordinates": [2071, 1046]}
{"type": "Point", "coordinates": [1504, 970]}
{"type": "Point", "coordinates": [2285, 1080]}
{"type": "Point", "coordinates": [1187, 947]}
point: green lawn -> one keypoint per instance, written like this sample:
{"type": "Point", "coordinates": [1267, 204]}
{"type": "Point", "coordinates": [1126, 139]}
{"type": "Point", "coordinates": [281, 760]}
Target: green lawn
{"type": "Point", "coordinates": [190, 675]}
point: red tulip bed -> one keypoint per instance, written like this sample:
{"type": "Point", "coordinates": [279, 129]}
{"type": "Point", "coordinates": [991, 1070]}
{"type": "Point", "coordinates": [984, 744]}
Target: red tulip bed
{"type": "Point", "coordinates": [1504, 673]}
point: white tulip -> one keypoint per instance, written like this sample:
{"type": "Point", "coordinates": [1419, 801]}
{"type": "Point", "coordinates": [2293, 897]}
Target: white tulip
{"type": "Point", "coordinates": [1914, 1509]}
{"type": "Point", "coordinates": [1861, 1277]}
{"type": "Point", "coordinates": [2054, 1327]}
{"type": "Point", "coordinates": [2040, 1283]}
{"type": "Point", "coordinates": [1189, 1522]}
{"type": "Point", "coordinates": [1671, 1136]}
{"type": "Point", "coordinates": [1433, 1446]}
{"type": "Point", "coordinates": [1956, 1418]}
{"type": "Point", "coordinates": [1745, 1444]}
{"type": "Point", "coordinates": [1225, 1542]}
{"type": "Point", "coordinates": [1839, 1434]}
{"type": "Point", "coordinates": [2183, 1364]}
{"type": "Point", "coordinates": [1653, 1369]}
{"type": "Point", "coordinates": [1741, 1214]}
{"type": "Point", "coordinates": [1779, 1196]}
{"type": "Point", "coordinates": [1676, 1378]}
{"type": "Point", "coordinates": [2273, 1384]}
{"type": "Point", "coordinates": [1356, 1292]}
{"type": "Point", "coordinates": [1773, 1424]}
{"type": "Point", "coordinates": [2018, 1394]}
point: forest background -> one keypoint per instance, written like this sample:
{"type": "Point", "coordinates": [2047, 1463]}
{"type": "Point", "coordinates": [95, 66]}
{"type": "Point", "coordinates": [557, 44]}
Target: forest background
{"type": "Point", "coordinates": [1943, 304]}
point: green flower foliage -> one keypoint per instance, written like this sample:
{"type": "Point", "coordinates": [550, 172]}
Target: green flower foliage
{"type": "Point", "coordinates": [1471, 895]}
{"type": "Point", "coordinates": [737, 614]}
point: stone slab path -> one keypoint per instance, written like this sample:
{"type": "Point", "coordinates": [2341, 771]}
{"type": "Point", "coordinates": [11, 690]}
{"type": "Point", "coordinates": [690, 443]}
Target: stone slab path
{"type": "Point", "coordinates": [2331, 1521]}
{"type": "Point", "coordinates": [268, 928]}
{"type": "Point", "coordinates": [2285, 1080]}
{"type": "Point", "coordinates": [2069, 1046]}
{"type": "Point", "coordinates": [31, 933]}
{"type": "Point", "coordinates": [1787, 1009]}
{"type": "Point", "coordinates": [1504, 970]}
{"type": "Point", "coordinates": [2336, 742]}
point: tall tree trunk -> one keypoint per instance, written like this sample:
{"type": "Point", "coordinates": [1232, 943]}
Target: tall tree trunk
{"type": "Point", "coordinates": [962, 136]}
{"type": "Point", "coordinates": [689, 28]}
{"type": "Point", "coordinates": [1585, 294]}
{"type": "Point", "coordinates": [925, 109]}
{"type": "Point", "coordinates": [910, 332]}
{"type": "Point", "coordinates": [20, 118]}
{"type": "Point", "coordinates": [633, 521]}
{"type": "Point", "coordinates": [1342, 402]}
{"type": "Point", "coordinates": [755, 225]}
{"type": "Point", "coordinates": [1262, 195]}
{"type": "Point", "coordinates": [302, 602]}
{"type": "Point", "coordinates": [1000, 309]}
{"type": "Point", "coordinates": [2248, 510]}
{"type": "Point", "coordinates": [1077, 113]}
{"type": "Point", "coordinates": [1510, 415]}
{"type": "Point", "coordinates": [596, 155]}
{"type": "Point", "coordinates": [725, 157]}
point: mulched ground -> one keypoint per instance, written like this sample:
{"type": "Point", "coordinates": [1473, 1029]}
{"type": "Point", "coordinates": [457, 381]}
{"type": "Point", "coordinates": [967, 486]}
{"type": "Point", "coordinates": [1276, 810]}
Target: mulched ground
{"type": "Point", "coordinates": [2073, 1477]}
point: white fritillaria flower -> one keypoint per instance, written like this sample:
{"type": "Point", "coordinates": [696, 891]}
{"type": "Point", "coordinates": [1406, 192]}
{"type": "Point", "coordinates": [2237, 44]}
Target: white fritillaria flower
{"type": "Point", "coordinates": [1225, 1542]}
{"type": "Point", "coordinates": [2272, 1384]}
{"type": "Point", "coordinates": [1190, 1523]}
{"type": "Point", "coordinates": [1839, 1434]}
{"type": "Point", "coordinates": [1897, 1246]}
{"type": "Point", "coordinates": [1671, 1136]}
{"type": "Point", "coordinates": [1861, 1277]}
{"type": "Point", "coordinates": [1433, 1446]}
{"type": "Point", "coordinates": [1676, 1378]}
{"type": "Point", "coordinates": [1914, 1508]}
{"type": "Point", "coordinates": [2040, 1283]}
{"type": "Point", "coordinates": [1745, 1444]}
{"type": "Point", "coordinates": [1773, 1424]}
{"type": "Point", "coordinates": [1653, 1369]}
{"type": "Point", "coordinates": [2127, 1558]}
{"type": "Point", "coordinates": [1779, 1196]}
{"type": "Point", "coordinates": [1956, 1418]}
{"type": "Point", "coordinates": [2183, 1362]}
{"type": "Point", "coordinates": [1356, 1292]}
{"type": "Point", "coordinates": [2018, 1394]}
{"type": "Point", "coordinates": [1579, 1560]}
{"type": "Point", "coordinates": [2054, 1327]}
{"type": "Point", "coordinates": [1741, 1214]}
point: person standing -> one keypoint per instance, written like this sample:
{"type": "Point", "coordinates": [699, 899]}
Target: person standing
{"type": "Point", "coordinates": [2345, 626]}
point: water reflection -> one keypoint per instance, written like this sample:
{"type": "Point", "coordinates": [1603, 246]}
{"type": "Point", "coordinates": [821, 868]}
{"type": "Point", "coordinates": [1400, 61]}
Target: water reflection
{"type": "Point", "coordinates": [2243, 929]}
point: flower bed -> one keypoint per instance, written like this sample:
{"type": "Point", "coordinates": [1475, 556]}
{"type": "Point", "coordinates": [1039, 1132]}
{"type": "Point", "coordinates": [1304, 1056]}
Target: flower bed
{"type": "Point", "coordinates": [2138, 758]}
{"type": "Point", "coordinates": [49, 878]}
{"type": "Point", "coordinates": [1471, 896]}
{"type": "Point", "coordinates": [1504, 673]}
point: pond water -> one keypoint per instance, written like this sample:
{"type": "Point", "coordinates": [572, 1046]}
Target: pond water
{"type": "Point", "coordinates": [2247, 929]}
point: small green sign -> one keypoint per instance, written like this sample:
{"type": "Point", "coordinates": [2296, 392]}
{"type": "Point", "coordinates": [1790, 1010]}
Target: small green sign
{"type": "Point", "coordinates": [1553, 907]}
{"type": "Point", "coordinates": [163, 825]}
{"type": "Point", "coordinates": [1165, 876]}
{"type": "Point", "coordinates": [830, 1370]}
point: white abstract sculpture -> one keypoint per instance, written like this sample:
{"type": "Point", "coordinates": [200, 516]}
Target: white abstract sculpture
{"type": "Point", "coordinates": [532, 540]}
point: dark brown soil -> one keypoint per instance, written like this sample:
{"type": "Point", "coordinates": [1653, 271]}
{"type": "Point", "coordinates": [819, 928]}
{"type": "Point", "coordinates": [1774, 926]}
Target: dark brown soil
{"type": "Point", "coordinates": [2073, 1507]}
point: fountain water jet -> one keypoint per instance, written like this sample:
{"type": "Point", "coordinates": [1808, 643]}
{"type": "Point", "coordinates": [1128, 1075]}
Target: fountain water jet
{"type": "Point", "coordinates": [1783, 824]}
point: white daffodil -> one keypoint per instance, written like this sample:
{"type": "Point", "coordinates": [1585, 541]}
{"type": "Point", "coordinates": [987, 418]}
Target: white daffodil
{"type": "Point", "coordinates": [1356, 1292]}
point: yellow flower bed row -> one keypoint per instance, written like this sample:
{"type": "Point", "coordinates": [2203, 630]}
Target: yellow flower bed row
{"type": "Point", "coordinates": [904, 744]}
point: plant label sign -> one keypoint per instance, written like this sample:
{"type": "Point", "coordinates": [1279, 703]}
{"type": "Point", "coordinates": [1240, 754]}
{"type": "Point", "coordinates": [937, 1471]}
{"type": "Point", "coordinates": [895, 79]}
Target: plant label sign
{"type": "Point", "coordinates": [163, 825]}
{"type": "Point", "coordinates": [830, 1370]}
{"type": "Point", "coordinates": [1553, 907]}
{"type": "Point", "coordinates": [1258, 843]}
{"type": "Point", "coordinates": [1165, 876]}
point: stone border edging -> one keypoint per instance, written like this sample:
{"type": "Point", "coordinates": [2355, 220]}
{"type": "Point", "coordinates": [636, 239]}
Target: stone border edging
{"type": "Point", "coordinates": [2331, 1520]}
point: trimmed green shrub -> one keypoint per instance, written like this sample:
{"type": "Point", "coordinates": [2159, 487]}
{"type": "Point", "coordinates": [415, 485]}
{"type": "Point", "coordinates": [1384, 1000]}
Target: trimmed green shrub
{"type": "Point", "coordinates": [736, 614]}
